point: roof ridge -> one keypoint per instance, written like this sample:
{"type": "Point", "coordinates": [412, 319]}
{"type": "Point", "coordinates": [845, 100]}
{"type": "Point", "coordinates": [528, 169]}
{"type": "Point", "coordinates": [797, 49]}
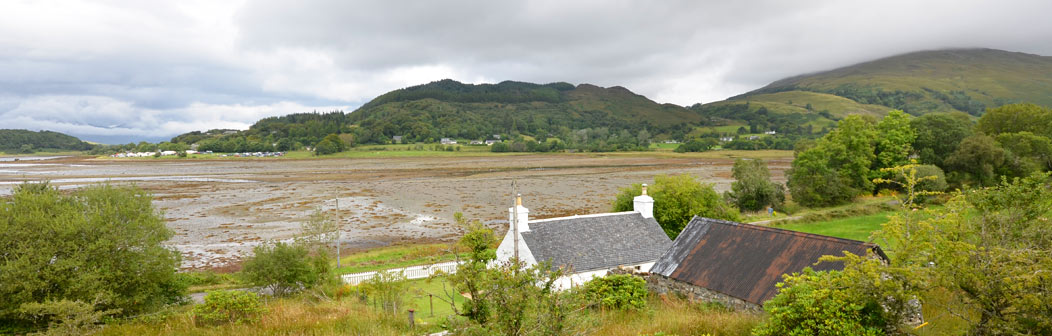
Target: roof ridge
{"type": "Point", "coordinates": [790, 232]}
{"type": "Point", "coordinates": [531, 221]}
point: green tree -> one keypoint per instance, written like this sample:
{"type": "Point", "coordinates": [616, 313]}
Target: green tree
{"type": "Point", "coordinates": [101, 245]}
{"type": "Point", "coordinates": [752, 189]}
{"type": "Point", "coordinates": [977, 161]}
{"type": "Point", "coordinates": [286, 268]}
{"type": "Point", "coordinates": [1013, 118]}
{"type": "Point", "coordinates": [326, 147]}
{"type": "Point", "coordinates": [990, 249]}
{"type": "Point", "coordinates": [838, 167]}
{"type": "Point", "coordinates": [508, 298]}
{"type": "Point", "coordinates": [618, 291]}
{"type": "Point", "coordinates": [939, 134]}
{"type": "Point", "coordinates": [1034, 152]}
{"type": "Point", "coordinates": [677, 199]}
{"type": "Point", "coordinates": [820, 303]}
{"type": "Point", "coordinates": [894, 141]}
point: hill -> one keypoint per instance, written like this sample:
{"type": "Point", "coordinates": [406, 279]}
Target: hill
{"type": "Point", "coordinates": [965, 80]}
{"type": "Point", "coordinates": [449, 108]}
{"type": "Point", "coordinates": [25, 141]}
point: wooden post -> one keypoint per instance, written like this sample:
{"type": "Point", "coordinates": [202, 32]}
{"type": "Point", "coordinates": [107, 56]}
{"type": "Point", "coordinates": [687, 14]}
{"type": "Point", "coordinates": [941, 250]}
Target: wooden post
{"type": "Point", "coordinates": [431, 300]}
{"type": "Point", "coordinates": [411, 320]}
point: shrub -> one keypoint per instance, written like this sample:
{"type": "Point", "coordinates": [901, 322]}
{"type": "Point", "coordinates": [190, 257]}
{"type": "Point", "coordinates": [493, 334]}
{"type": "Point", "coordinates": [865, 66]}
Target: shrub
{"type": "Point", "coordinates": [816, 303]}
{"type": "Point", "coordinates": [618, 291]}
{"type": "Point", "coordinates": [752, 189]}
{"type": "Point", "coordinates": [65, 317]}
{"type": "Point", "coordinates": [286, 268]}
{"type": "Point", "coordinates": [102, 245]}
{"type": "Point", "coordinates": [229, 307]}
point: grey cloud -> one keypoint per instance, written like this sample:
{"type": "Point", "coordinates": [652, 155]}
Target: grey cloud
{"type": "Point", "coordinates": [183, 66]}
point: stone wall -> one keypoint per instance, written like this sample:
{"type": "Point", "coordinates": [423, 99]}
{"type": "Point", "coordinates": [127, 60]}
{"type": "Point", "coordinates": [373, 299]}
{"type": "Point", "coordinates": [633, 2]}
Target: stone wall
{"type": "Point", "coordinates": [662, 285]}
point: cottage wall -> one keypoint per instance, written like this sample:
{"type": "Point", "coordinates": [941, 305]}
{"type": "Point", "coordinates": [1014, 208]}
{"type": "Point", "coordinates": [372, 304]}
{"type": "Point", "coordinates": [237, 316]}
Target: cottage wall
{"type": "Point", "coordinates": [660, 284]}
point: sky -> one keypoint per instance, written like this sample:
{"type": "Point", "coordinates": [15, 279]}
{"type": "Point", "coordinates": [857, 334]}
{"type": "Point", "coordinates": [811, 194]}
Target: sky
{"type": "Point", "coordinates": [115, 71]}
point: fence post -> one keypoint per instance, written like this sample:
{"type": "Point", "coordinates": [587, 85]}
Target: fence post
{"type": "Point", "coordinates": [431, 300]}
{"type": "Point", "coordinates": [412, 322]}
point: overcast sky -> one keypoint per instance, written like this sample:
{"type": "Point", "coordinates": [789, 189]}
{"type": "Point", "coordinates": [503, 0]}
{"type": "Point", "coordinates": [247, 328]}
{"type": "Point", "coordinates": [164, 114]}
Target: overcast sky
{"type": "Point", "coordinates": [117, 71]}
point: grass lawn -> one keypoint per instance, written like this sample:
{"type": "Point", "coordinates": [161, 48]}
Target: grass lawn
{"type": "Point", "coordinates": [427, 294]}
{"type": "Point", "coordinates": [857, 228]}
{"type": "Point", "coordinates": [394, 257]}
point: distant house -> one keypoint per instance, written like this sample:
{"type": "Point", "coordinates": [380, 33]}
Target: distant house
{"type": "Point", "coordinates": [671, 141]}
{"type": "Point", "coordinates": [447, 141]}
{"type": "Point", "coordinates": [588, 246]}
{"type": "Point", "coordinates": [770, 132]}
{"type": "Point", "coordinates": [754, 137]}
{"type": "Point", "coordinates": [727, 139]}
{"type": "Point", "coordinates": [496, 136]}
{"type": "Point", "coordinates": [476, 142]}
{"type": "Point", "coordinates": [396, 139]}
{"type": "Point", "coordinates": [491, 142]}
{"type": "Point", "coordinates": [738, 264]}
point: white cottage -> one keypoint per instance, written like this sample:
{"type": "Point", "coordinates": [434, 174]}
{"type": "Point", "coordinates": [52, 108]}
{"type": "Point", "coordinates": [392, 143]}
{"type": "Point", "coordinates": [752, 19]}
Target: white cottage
{"type": "Point", "coordinates": [587, 245]}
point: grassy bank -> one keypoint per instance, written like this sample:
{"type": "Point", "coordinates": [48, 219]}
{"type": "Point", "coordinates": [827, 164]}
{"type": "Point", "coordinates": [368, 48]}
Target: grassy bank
{"type": "Point", "coordinates": [394, 257]}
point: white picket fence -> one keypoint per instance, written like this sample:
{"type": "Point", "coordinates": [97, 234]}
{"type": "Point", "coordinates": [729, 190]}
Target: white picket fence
{"type": "Point", "coordinates": [411, 272]}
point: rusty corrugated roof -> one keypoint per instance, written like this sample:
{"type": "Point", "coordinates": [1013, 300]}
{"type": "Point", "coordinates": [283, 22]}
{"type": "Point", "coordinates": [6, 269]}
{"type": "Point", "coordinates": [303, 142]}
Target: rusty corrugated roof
{"type": "Point", "coordinates": [746, 261]}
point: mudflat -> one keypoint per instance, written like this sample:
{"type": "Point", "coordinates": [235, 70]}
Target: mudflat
{"type": "Point", "coordinates": [220, 209]}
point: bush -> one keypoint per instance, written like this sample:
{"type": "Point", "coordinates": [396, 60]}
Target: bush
{"type": "Point", "coordinates": [101, 244]}
{"type": "Point", "coordinates": [752, 189]}
{"type": "Point", "coordinates": [815, 303]}
{"type": "Point", "coordinates": [286, 268]}
{"type": "Point", "coordinates": [229, 307]}
{"type": "Point", "coordinates": [618, 291]}
{"type": "Point", "coordinates": [65, 317]}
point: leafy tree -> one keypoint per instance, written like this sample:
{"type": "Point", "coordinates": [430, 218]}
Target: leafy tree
{"type": "Point", "coordinates": [752, 189]}
{"type": "Point", "coordinates": [987, 248]}
{"type": "Point", "coordinates": [508, 298]}
{"type": "Point", "coordinates": [326, 147]}
{"type": "Point", "coordinates": [820, 303]}
{"type": "Point", "coordinates": [677, 199]}
{"type": "Point", "coordinates": [1032, 152]}
{"type": "Point", "coordinates": [101, 245]}
{"type": "Point", "coordinates": [1013, 118]}
{"type": "Point", "coordinates": [895, 136]}
{"type": "Point", "coordinates": [696, 145]}
{"type": "Point", "coordinates": [286, 268]}
{"type": "Point", "coordinates": [938, 135]}
{"type": "Point", "coordinates": [838, 167]}
{"type": "Point", "coordinates": [977, 161]}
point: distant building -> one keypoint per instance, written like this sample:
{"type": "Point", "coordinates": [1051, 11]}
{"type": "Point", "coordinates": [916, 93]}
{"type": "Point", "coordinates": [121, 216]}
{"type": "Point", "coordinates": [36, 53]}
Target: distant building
{"type": "Point", "coordinates": [447, 141]}
{"type": "Point", "coordinates": [754, 137]}
{"type": "Point", "coordinates": [476, 142]}
{"type": "Point", "coordinates": [671, 141]}
{"type": "Point", "coordinates": [738, 265]}
{"type": "Point", "coordinates": [496, 136]}
{"type": "Point", "coordinates": [396, 139]}
{"type": "Point", "coordinates": [491, 142]}
{"type": "Point", "coordinates": [770, 132]}
{"type": "Point", "coordinates": [727, 139]}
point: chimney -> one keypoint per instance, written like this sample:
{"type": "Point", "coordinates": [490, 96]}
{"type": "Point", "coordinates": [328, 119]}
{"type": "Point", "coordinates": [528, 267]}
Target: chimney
{"type": "Point", "coordinates": [644, 204]}
{"type": "Point", "coordinates": [523, 215]}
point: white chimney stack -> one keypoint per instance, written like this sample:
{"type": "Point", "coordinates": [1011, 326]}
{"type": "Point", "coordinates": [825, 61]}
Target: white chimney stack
{"type": "Point", "coordinates": [644, 204]}
{"type": "Point", "coordinates": [522, 214]}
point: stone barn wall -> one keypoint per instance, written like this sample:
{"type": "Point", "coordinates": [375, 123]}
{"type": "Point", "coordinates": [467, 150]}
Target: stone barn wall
{"type": "Point", "coordinates": [663, 285]}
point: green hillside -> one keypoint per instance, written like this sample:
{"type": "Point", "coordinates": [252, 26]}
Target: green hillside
{"type": "Point", "coordinates": [449, 108]}
{"type": "Point", "coordinates": [25, 141]}
{"type": "Point", "coordinates": [966, 80]}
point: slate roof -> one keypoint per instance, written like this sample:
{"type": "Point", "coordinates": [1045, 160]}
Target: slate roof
{"type": "Point", "coordinates": [746, 261]}
{"type": "Point", "coordinates": [595, 242]}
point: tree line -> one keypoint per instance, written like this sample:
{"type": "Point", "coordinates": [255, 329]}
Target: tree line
{"type": "Point", "coordinates": [1014, 140]}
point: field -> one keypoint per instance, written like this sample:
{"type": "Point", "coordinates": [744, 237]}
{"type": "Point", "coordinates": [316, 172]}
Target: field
{"type": "Point", "coordinates": [221, 208]}
{"type": "Point", "coordinates": [857, 228]}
